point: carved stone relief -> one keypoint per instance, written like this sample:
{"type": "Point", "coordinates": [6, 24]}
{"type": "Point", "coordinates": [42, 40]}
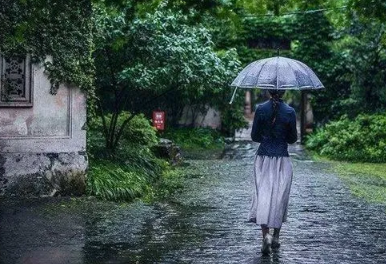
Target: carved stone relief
{"type": "Point", "coordinates": [16, 81]}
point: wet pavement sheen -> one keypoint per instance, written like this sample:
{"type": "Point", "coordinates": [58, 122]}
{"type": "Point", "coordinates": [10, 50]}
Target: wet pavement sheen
{"type": "Point", "coordinates": [204, 224]}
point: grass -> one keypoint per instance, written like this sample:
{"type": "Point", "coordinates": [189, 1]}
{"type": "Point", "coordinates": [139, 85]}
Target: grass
{"type": "Point", "coordinates": [118, 182]}
{"type": "Point", "coordinates": [365, 180]}
{"type": "Point", "coordinates": [171, 182]}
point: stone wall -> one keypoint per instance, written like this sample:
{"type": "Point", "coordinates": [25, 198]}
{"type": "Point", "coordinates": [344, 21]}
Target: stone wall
{"type": "Point", "coordinates": [43, 146]}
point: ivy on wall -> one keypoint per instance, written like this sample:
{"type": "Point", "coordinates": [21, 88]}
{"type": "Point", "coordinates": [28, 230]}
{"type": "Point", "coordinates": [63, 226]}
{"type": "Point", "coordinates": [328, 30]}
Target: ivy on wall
{"type": "Point", "coordinates": [56, 28]}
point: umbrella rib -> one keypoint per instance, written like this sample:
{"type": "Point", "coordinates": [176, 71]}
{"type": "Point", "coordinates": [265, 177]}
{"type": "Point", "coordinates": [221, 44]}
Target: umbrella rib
{"type": "Point", "coordinates": [233, 96]}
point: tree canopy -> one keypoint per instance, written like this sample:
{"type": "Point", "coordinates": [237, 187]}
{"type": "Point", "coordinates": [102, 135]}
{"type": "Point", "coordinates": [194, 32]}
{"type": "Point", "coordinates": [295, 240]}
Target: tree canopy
{"type": "Point", "coordinates": [142, 49]}
{"type": "Point", "coordinates": [140, 60]}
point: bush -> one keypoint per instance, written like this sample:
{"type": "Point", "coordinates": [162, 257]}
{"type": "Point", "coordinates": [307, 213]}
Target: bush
{"type": "Point", "coordinates": [232, 119]}
{"type": "Point", "coordinates": [139, 133]}
{"type": "Point", "coordinates": [134, 169]}
{"type": "Point", "coordinates": [362, 139]}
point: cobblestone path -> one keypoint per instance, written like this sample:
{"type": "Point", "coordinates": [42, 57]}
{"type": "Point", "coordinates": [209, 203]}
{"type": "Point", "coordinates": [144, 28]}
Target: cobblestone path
{"type": "Point", "coordinates": [325, 224]}
{"type": "Point", "coordinates": [207, 223]}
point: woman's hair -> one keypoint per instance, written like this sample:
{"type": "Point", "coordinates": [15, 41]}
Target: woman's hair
{"type": "Point", "coordinates": [276, 96]}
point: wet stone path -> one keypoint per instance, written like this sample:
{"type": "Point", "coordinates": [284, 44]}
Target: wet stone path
{"type": "Point", "coordinates": [204, 224]}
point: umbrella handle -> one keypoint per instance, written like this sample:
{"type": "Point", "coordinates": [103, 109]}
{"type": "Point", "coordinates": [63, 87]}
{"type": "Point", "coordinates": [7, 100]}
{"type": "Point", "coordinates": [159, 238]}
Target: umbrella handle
{"type": "Point", "coordinates": [233, 96]}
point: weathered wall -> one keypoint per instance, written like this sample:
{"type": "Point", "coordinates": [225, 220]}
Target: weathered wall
{"type": "Point", "coordinates": [42, 148]}
{"type": "Point", "coordinates": [211, 119]}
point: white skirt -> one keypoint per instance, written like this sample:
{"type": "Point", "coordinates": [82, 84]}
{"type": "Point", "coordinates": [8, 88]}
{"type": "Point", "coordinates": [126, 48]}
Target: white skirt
{"type": "Point", "coordinates": [272, 178]}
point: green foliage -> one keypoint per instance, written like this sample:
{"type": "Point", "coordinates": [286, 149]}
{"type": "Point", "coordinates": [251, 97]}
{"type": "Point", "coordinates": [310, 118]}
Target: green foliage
{"type": "Point", "coordinates": [111, 181]}
{"type": "Point", "coordinates": [365, 180]}
{"type": "Point", "coordinates": [183, 52]}
{"type": "Point", "coordinates": [232, 119]}
{"type": "Point", "coordinates": [232, 116]}
{"type": "Point", "coordinates": [370, 9]}
{"type": "Point", "coordinates": [195, 138]}
{"type": "Point", "coordinates": [125, 177]}
{"type": "Point", "coordinates": [61, 29]}
{"type": "Point", "coordinates": [262, 37]}
{"type": "Point", "coordinates": [149, 56]}
{"type": "Point", "coordinates": [361, 139]}
{"type": "Point", "coordinates": [158, 61]}
{"type": "Point", "coordinates": [139, 133]}
{"type": "Point", "coordinates": [354, 74]}
{"type": "Point", "coordinates": [133, 175]}
{"type": "Point", "coordinates": [200, 5]}
{"type": "Point", "coordinates": [256, 37]}
{"type": "Point", "coordinates": [312, 45]}
{"type": "Point", "coordinates": [170, 183]}
{"type": "Point", "coordinates": [304, 37]}
{"type": "Point", "coordinates": [266, 30]}
{"type": "Point", "coordinates": [132, 170]}
{"type": "Point", "coordinates": [347, 53]}
{"type": "Point", "coordinates": [366, 54]}
{"type": "Point", "coordinates": [312, 40]}
{"type": "Point", "coordinates": [351, 65]}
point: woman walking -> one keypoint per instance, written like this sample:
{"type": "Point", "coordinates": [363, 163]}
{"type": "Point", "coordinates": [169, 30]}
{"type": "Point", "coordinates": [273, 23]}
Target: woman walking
{"type": "Point", "coordinates": [274, 127]}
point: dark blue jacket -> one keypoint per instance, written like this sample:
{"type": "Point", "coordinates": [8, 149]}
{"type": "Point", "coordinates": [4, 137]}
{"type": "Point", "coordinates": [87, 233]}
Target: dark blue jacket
{"type": "Point", "coordinates": [274, 139]}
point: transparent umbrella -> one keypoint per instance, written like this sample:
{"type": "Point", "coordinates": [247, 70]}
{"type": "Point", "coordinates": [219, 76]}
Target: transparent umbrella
{"type": "Point", "coordinates": [277, 73]}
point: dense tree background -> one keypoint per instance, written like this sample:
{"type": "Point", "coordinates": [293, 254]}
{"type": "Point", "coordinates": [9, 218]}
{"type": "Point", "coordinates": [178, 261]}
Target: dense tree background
{"type": "Point", "coordinates": [158, 61]}
{"type": "Point", "coordinates": [192, 49]}
{"type": "Point", "coordinates": [135, 56]}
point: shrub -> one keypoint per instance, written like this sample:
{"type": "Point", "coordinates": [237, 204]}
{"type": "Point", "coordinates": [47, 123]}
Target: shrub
{"type": "Point", "coordinates": [134, 169]}
{"type": "Point", "coordinates": [139, 133]}
{"type": "Point", "coordinates": [362, 139]}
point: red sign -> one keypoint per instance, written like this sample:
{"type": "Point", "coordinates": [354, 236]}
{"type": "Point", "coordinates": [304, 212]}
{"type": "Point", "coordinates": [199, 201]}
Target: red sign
{"type": "Point", "coordinates": [159, 120]}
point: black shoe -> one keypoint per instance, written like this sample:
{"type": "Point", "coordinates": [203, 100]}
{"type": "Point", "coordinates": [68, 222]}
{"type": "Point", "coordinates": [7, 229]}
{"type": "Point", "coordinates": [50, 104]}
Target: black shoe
{"type": "Point", "coordinates": [266, 247]}
{"type": "Point", "coordinates": [275, 243]}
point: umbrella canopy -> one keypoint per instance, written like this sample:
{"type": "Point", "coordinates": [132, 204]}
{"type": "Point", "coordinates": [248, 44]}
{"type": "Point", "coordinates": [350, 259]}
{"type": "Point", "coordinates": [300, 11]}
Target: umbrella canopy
{"type": "Point", "coordinates": [277, 73]}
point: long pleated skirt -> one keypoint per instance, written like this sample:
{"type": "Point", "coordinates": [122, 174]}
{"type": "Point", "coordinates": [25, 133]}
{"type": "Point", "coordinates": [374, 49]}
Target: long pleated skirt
{"type": "Point", "coordinates": [271, 185]}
